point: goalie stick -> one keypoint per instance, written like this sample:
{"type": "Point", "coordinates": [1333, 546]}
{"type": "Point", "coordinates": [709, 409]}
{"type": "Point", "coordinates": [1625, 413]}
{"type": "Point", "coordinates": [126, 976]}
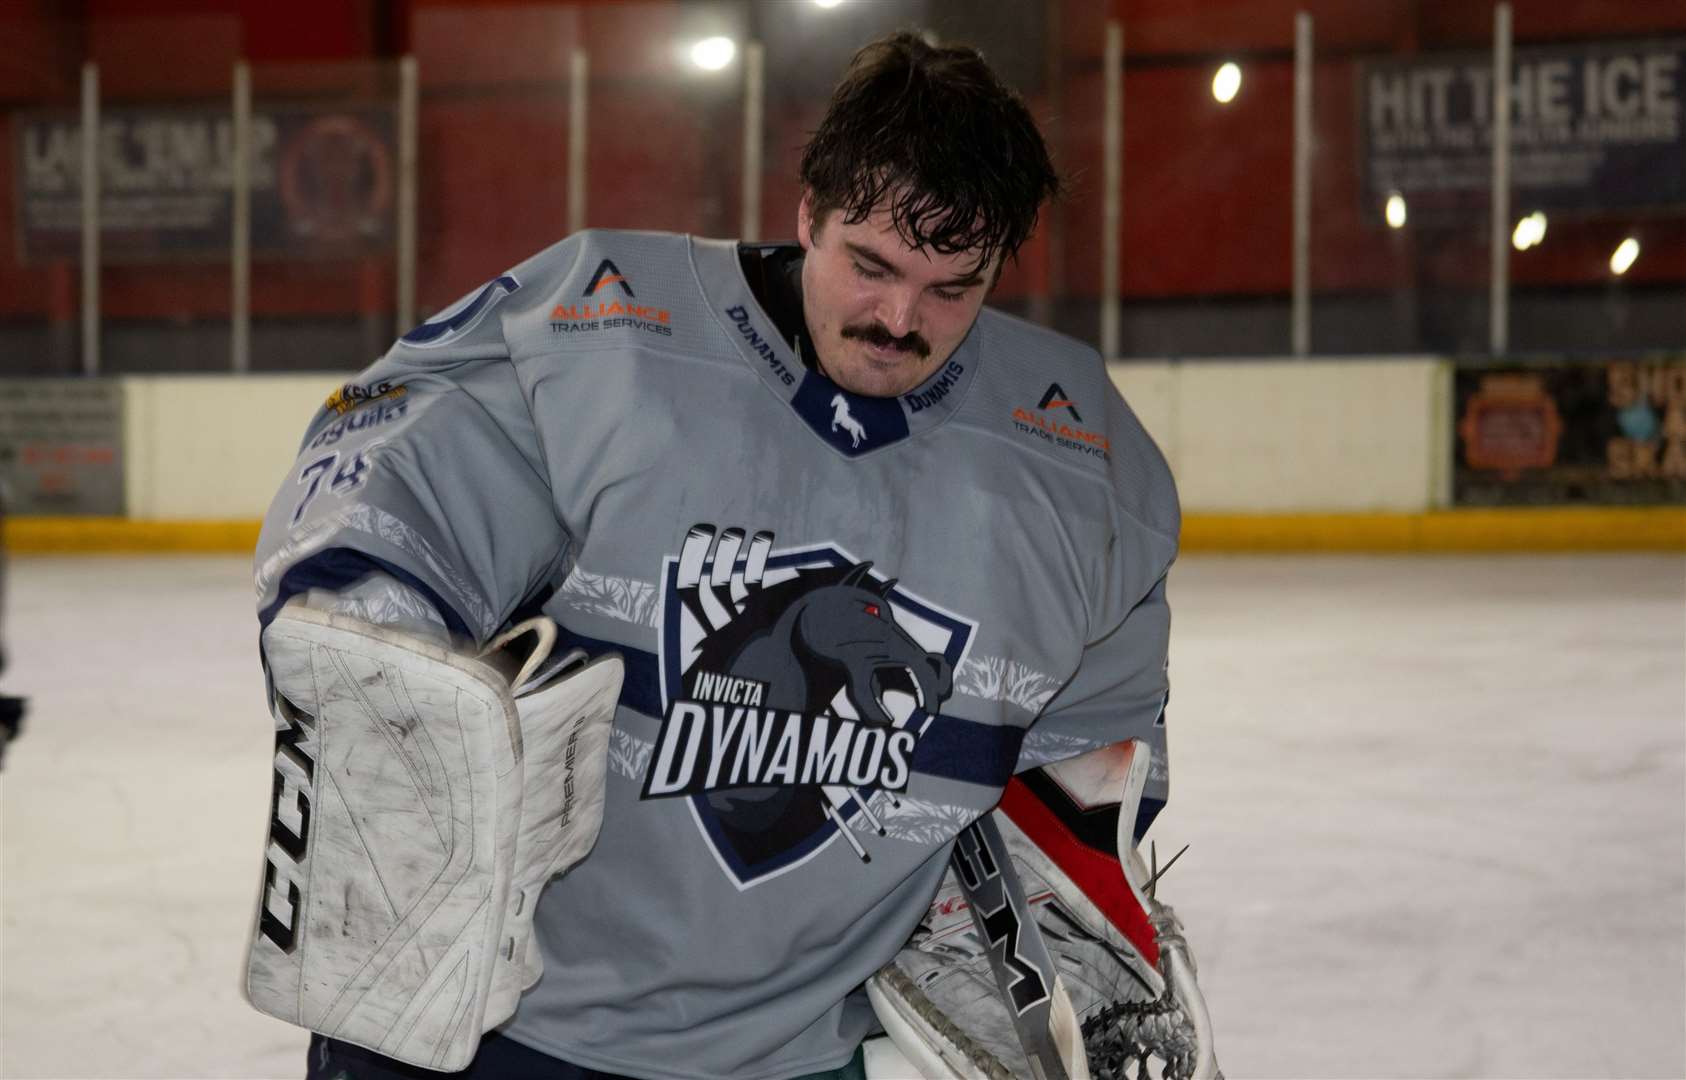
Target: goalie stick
{"type": "Point", "coordinates": [1024, 970]}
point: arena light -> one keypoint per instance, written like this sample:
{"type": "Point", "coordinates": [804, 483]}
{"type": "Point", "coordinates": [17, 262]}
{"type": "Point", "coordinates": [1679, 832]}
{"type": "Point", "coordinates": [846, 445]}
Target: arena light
{"type": "Point", "coordinates": [1227, 83]}
{"type": "Point", "coordinates": [1529, 232]}
{"type": "Point", "coordinates": [1394, 211]}
{"type": "Point", "coordinates": [713, 53]}
{"type": "Point", "coordinates": [1624, 255]}
{"type": "Point", "coordinates": [827, 3]}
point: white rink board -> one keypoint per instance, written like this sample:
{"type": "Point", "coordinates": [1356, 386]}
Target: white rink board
{"type": "Point", "coordinates": [1251, 436]}
{"type": "Point", "coordinates": [214, 446]}
{"type": "Point", "coordinates": [1437, 809]}
{"type": "Point", "coordinates": [1287, 436]}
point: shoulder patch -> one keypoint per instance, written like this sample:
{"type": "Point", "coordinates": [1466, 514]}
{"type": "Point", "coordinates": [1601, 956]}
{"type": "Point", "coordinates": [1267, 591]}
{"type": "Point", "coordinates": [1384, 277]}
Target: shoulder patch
{"type": "Point", "coordinates": [609, 302]}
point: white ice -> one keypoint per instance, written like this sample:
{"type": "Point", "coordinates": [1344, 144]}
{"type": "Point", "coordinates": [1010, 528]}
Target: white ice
{"type": "Point", "coordinates": [1437, 809]}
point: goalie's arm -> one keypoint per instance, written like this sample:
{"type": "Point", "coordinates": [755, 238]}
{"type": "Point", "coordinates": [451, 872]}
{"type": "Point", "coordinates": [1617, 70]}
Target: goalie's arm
{"type": "Point", "coordinates": [1118, 693]}
{"type": "Point", "coordinates": [427, 471]}
{"type": "Point", "coordinates": [1089, 786]}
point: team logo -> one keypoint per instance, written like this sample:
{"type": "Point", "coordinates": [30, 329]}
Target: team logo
{"type": "Point", "coordinates": [608, 274]}
{"type": "Point", "coordinates": [1054, 398]}
{"type": "Point", "coordinates": [841, 420]}
{"type": "Point", "coordinates": [795, 687]}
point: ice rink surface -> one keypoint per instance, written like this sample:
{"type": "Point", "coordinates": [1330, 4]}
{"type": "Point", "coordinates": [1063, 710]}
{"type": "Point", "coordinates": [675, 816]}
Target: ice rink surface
{"type": "Point", "coordinates": [1437, 809]}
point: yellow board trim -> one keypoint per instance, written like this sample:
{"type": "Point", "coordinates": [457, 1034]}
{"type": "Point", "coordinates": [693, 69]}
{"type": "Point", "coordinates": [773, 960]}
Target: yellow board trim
{"type": "Point", "coordinates": [1545, 529]}
{"type": "Point", "coordinates": [110, 535]}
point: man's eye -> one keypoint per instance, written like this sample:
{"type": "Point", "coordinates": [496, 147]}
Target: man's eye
{"type": "Point", "coordinates": [951, 295]}
{"type": "Point", "coordinates": [869, 274]}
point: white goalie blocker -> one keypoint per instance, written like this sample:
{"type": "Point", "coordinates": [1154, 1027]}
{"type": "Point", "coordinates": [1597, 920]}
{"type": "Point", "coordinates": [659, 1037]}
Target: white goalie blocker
{"type": "Point", "coordinates": [422, 799]}
{"type": "Point", "coordinates": [1123, 1004]}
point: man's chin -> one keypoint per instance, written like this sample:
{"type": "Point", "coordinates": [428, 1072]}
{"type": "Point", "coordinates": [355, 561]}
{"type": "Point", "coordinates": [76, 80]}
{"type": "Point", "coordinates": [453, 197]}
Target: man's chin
{"type": "Point", "coordinates": [868, 382]}
{"type": "Point", "coordinates": [871, 375]}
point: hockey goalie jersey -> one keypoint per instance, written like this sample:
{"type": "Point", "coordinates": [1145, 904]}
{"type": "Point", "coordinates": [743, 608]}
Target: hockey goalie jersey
{"type": "Point", "coordinates": [846, 621]}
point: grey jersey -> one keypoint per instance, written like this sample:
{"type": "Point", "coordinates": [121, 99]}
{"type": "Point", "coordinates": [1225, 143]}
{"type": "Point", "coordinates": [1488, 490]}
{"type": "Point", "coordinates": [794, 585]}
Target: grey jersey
{"type": "Point", "coordinates": [847, 621]}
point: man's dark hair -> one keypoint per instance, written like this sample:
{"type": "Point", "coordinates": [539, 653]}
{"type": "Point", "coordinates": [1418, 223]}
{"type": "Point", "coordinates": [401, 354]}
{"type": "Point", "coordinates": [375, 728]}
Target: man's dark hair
{"type": "Point", "coordinates": [931, 133]}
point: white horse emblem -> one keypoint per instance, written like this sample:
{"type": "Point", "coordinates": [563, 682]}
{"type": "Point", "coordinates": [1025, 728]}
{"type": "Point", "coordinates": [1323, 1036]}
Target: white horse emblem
{"type": "Point", "coordinates": [840, 418]}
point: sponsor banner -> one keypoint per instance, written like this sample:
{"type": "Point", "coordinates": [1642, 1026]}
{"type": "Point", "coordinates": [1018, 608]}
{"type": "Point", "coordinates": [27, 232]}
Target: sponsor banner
{"type": "Point", "coordinates": [1600, 432]}
{"type": "Point", "coordinates": [323, 182]}
{"type": "Point", "coordinates": [61, 446]}
{"type": "Point", "coordinates": [1594, 126]}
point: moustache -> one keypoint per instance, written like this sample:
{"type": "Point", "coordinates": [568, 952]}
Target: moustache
{"type": "Point", "coordinates": [878, 334]}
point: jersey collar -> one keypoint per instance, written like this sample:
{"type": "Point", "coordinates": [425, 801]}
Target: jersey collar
{"type": "Point", "coordinates": [851, 424]}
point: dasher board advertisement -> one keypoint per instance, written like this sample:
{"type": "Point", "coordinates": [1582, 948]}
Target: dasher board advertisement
{"type": "Point", "coordinates": [1603, 432]}
{"type": "Point", "coordinates": [61, 446]}
{"type": "Point", "coordinates": [1594, 127]}
{"type": "Point", "coordinates": [323, 182]}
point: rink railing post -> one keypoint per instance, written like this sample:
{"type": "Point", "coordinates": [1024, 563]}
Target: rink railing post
{"type": "Point", "coordinates": [90, 219]}
{"type": "Point", "coordinates": [240, 217]}
{"type": "Point", "coordinates": [1498, 304]}
{"type": "Point", "coordinates": [754, 96]}
{"type": "Point", "coordinates": [1112, 189]}
{"type": "Point", "coordinates": [409, 107]}
{"type": "Point", "coordinates": [1302, 183]}
{"type": "Point", "coordinates": [579, 79]}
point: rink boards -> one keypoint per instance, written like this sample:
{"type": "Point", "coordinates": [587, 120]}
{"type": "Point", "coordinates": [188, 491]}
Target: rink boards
{"type": "Point", "coordinates": [1269, 455]}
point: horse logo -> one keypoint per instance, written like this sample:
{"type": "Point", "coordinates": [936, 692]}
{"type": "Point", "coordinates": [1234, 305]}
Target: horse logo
{"type": "Point", "coordinates": [796, 686]}
{"type": "Point", "coordinates": [841, 419]}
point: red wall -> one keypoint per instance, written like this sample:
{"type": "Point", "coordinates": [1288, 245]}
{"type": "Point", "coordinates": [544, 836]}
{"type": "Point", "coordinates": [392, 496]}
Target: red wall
{"type": "Point", "coordinates": [1207, 187]}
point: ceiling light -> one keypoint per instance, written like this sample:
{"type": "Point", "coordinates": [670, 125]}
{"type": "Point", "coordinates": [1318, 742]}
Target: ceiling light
{"type": "Point", "coordinates": [712, 54]}
{"type": "Point", "coordinates": [1529, 232]}
{"type": "Point", "coordinates": [1624, 255]}
{"type": "Point", "coordinates": [1395, 211]}
{"type": "Point", "coordinates": [1226, 83]}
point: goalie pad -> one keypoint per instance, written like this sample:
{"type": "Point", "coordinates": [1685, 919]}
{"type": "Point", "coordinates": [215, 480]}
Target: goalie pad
{"type": "Point", "coordinates": [1121, 955]}
{"type": "Point", "coordinates": [399, 879]}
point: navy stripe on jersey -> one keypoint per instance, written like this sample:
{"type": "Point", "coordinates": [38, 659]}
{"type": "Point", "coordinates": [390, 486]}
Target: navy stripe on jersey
{"type": "Point", "coordinates": [969, 751]}
{"type": "Point", "coordinates": [341, 567]}
{"type": "Point", "coordinates": [950, 747]}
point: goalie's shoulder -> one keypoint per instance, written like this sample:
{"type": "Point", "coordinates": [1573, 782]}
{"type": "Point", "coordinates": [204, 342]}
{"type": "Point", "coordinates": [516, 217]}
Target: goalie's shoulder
{"type": "Point", "coordinates": [597, 289]}
{"type": "Point", "coordinates": [1061, 400]}
{"type": "Point", "coordinates": [569, 292]}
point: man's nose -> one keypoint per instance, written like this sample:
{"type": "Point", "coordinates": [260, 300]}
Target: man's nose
{"type": "Point", "coordinates": [898, 310]}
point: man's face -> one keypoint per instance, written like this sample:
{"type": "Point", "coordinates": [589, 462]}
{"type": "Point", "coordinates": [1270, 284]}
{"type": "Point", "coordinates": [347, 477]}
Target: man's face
{"type": "Point", "coordinates": [882, 316]}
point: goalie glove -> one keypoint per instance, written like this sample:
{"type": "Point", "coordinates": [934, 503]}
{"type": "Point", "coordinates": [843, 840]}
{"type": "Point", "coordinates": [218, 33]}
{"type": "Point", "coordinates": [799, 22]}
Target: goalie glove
{"type": "Point", "coordinates": [1121, 955]}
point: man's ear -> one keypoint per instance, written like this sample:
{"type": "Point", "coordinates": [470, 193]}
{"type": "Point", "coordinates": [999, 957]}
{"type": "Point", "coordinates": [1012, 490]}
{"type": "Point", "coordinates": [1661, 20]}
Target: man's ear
{"type": "Point", "coordinates": [806, 226]}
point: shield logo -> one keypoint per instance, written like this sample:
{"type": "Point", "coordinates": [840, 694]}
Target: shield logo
{"type": "Point", "coordinates": [795, 686]}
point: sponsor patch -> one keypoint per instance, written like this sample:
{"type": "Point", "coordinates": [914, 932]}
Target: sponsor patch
{"type": "Point", "coordinates": [609, 303]}
{"type": "Point", "coordinates": [1048, 422]}
{"type": "Point", "coordinates": [351, 395]}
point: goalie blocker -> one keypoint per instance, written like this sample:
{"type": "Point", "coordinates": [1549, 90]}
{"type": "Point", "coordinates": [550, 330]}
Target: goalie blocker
{"type": "Point", "coordinates": [421, 801]}
{"type": "Point", "coordinates": [1124, 1004]}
